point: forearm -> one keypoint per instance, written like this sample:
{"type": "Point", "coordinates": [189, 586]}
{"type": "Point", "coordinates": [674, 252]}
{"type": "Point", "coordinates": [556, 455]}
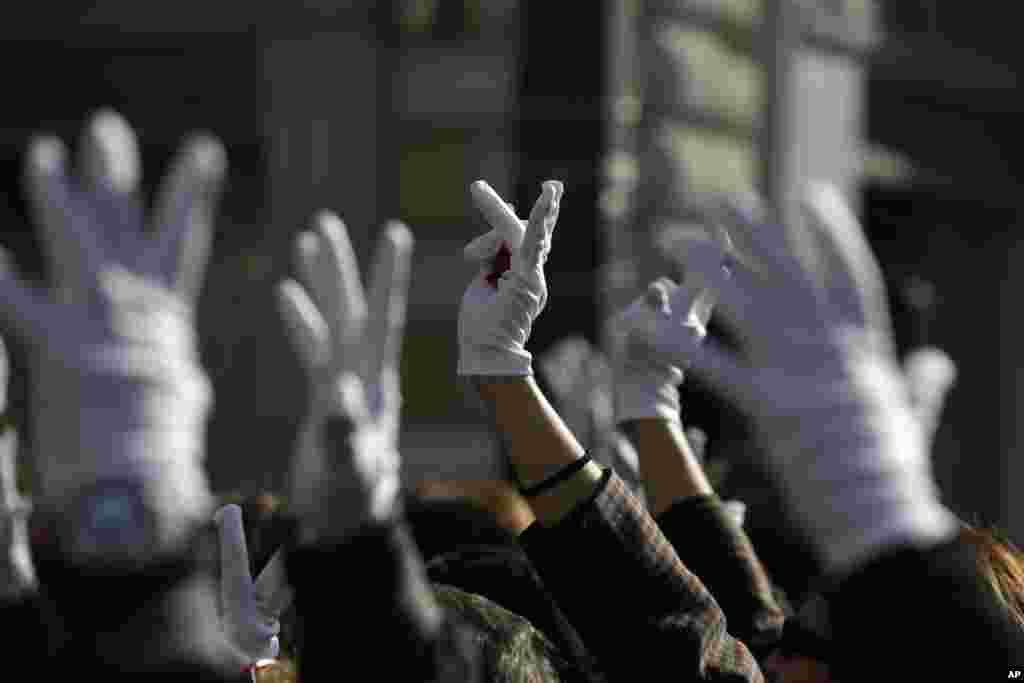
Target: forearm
{"type": "Point", "coordinates": [707, 541]}
{"type": "Point", "coordinates": [538, 444]}
{"type": "Point", "coordinates": [669, 469]}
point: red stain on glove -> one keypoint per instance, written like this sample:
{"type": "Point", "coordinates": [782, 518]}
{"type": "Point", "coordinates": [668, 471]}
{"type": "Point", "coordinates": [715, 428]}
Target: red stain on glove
{"type": "Point", "coordinates": [502, 262]}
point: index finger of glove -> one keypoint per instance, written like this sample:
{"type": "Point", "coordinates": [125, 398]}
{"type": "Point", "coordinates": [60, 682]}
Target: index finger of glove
{"type": "Point", "coordinates": [498, 214]}
{"type": "Point", "coordinates": [853, 278]}
{"type": "Point", "coordinates": [110, 154]}
{"type": "Point", "coordinates": [72, 248]}
{"type": "Point", "coordinates": [389, 289]}
{"type": "Point", "coordinates": [185, 211]}
{"type": "Point", "coordinates": [235, 579]}
{"type": "Point", "coordinates": [306, 327]}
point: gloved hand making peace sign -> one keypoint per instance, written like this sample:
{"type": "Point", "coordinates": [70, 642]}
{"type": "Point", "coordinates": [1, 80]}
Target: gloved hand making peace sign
{"type": "Point", "coordinates": [498, 308]}
{"type": "Point", "coordinates": [346, 467]}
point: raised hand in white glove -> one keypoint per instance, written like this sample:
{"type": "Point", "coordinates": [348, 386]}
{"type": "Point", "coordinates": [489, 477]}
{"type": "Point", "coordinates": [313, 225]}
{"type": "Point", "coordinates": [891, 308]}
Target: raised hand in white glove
{"type": "Point", "coordinates": [17, 573]}
{"type": "Point", "coordinates": [249, 611]}
{"type": "Point", "coordinates": [498, 308]}
{"type": "Point", "coordinates": [345, 471]}
{"type": "Point", "coordinates": [654, 339]}
{"type": "Point", "coordinates": [819, 377]}
{"type": "Point", "coordinates": [118, 399]}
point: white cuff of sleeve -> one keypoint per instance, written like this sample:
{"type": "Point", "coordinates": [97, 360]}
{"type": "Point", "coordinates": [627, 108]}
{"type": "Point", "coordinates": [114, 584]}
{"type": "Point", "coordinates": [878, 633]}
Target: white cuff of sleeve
{"type": "Point", "coordinates": [495, 362]}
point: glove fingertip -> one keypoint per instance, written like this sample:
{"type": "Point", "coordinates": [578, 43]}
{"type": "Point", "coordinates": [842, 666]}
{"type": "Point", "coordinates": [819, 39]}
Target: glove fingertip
{"type": "Point", "coordinates": [399, 235]}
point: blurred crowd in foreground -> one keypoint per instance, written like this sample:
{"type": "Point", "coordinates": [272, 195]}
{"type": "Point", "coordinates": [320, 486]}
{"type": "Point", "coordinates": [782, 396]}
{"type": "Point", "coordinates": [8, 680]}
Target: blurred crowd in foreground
{"type": "Point", "coordinates": [600, 548]}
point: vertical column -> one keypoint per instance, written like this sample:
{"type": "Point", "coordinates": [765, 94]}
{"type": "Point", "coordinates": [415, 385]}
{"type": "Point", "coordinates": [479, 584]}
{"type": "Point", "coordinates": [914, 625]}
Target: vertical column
{"type": "Point", "coordinates": [321, 130]}
{"type": "Point", "coordinates": [320, 133]}
{"type": "Point", "coordinates": [561, 133]}
{"type": "Point", "coordinates": [701, 82]}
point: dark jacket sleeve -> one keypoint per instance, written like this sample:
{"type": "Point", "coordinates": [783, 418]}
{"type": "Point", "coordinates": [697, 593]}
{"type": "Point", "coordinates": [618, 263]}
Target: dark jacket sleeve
{"type": "Point", "coordinates": [368, 598]}
{"type": "Point", "coordinates": [923, 613]}
{"type": "Point", "coordinates": [638, 609]}
{"type": "Point", "coordinates": [712, 546]}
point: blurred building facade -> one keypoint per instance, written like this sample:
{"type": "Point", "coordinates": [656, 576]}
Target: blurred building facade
{"type": "Point", "coordinates": [646, 108]}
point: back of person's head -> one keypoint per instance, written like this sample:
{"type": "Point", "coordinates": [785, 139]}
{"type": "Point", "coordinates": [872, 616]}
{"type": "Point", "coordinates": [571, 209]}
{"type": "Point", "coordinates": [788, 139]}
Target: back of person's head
{"type": "Point", "coordinates": [1001, 565]}
{"type": "Point", "coordinates": [807, 644]}
{"type": "Point", "coordinates": [511, 649]}
{"type": "Point", "coordinates": [444, 524]}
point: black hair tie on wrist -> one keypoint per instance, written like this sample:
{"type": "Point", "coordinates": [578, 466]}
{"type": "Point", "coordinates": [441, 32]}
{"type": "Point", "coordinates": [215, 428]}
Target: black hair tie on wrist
{"type": "Point", "coordinates": [555, 479]}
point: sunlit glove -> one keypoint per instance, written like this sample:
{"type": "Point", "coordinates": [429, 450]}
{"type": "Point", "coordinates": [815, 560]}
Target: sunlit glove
{"type": "Point", "coordinates": [580, 377]}
{"type": "Point", "coordinates": [498, 308]}
{"type": "Point", "coordinates": [345, 471]}
{"type": "Point", "coordinates": [119, 401]}
{"type": "Point", "coordinates": [818, 374]}
{"type": "Point", "coordinates": [930, 374]}
{"type": "Point", "coordinates": [17, 573]}
{"type": "Point", "coordinates": [250, 611]}
{"type": "Point", "coordinates": [654, 339]}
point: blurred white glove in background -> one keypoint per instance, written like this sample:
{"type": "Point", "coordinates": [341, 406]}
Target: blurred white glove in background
{"type": "Point", "coordinates": [819, 376]}
{"type": "Point", "coordinates": [17, 573]}
{"type": "Point", "coordinates": [655, 337]}
{"type": "Point", "coordinates": [250, 611]}
{"type": "Point", "coordinates": [345, 471]}
{"type": "Point", "coordinates": [119, 401]}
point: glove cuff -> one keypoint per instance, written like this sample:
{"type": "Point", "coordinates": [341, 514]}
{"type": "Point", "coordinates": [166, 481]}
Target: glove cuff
{"type": "Point", "coordinates": [484, 361]}
{"type": "Point", "coordinates": [648, 396]}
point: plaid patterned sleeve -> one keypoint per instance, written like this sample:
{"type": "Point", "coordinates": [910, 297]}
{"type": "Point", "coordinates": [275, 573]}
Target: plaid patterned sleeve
{"type": "Point", "coordinates": [638, 609]}
{"type": "Point", "coordinates": [717, 550]}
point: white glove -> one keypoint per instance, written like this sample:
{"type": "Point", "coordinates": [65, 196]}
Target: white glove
{"type": "Point", "coordinates": [495, 321]}
{"type": "Point", "coordinates": [930, 375]}
{"type": "Point", "coordinates": [250, 611]}
{"type": "Point", "coordinates": [17, 573]}
{"type": "Point", "coordinates": [346, 467]}
{"type": "Point", "coordinates": [653, 341]}
{"type": "Point", "coordinates": [119, 400]}
{"type": "Point", "coordinates": [821, 381]}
